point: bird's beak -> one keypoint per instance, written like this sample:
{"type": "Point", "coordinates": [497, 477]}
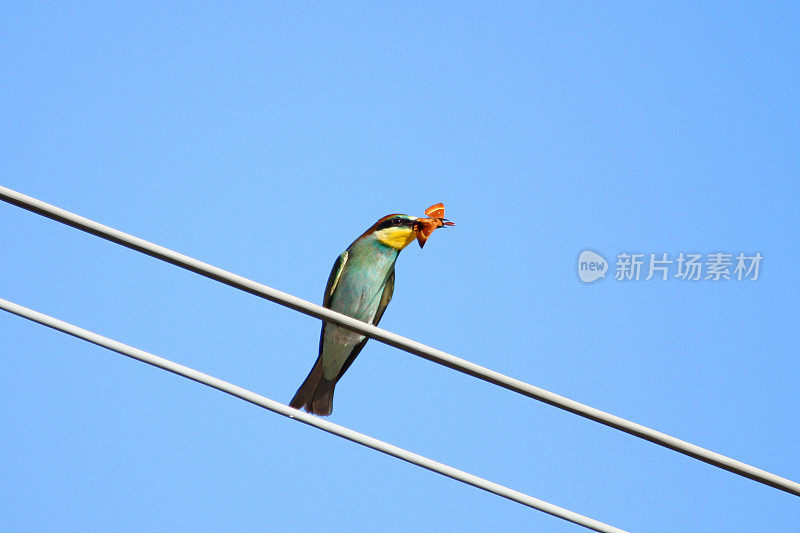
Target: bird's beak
{"type": "Point", "coordinates": [423, 227]}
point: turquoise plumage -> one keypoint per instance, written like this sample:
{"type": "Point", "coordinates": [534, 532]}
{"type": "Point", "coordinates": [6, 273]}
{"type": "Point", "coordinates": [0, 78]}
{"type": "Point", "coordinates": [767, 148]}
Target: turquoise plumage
{"type": "Point", "coordinates": [360, 285]}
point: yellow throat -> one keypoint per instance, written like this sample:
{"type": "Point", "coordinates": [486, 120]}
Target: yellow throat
{"type": "Point", "coordinates": [397, 237]}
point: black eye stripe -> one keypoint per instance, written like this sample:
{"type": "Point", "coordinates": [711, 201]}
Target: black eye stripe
{"type": "Point", "coordinates": [394, 221]}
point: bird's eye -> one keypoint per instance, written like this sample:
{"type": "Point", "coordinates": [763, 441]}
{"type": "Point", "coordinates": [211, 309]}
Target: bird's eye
{"type": "Point", "coordinates": [397, 221]}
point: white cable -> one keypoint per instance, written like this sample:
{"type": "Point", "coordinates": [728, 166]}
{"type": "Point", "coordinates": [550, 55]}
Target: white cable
{"type": "Point", "coordinates": [392, 339]}
{"type": "Point", "coordinates": [311, 420]}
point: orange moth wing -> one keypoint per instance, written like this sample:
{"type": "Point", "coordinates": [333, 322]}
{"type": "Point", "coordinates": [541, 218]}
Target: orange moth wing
{"type": "Point", "coordinates": [435, 211]}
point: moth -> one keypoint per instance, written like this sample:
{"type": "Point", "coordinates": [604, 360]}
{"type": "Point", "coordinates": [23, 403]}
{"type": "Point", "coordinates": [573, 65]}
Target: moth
{"type": "Point", "coordinates": [424, 226]}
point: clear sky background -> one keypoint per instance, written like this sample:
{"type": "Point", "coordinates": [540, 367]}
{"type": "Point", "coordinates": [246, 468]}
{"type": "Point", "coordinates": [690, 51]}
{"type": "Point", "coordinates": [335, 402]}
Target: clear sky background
{"type": "Point", "coordinates": [263, 138]}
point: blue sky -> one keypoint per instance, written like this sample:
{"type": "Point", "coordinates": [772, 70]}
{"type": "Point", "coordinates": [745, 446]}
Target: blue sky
{"type": "Point", "coordinates": [263, 138]}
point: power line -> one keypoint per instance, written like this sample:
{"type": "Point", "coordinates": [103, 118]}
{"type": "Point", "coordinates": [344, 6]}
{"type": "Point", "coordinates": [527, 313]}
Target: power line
{"type": "Point", "coordinates": [392, 339]}
{"type": "Point", "coordinates": [311, 420]}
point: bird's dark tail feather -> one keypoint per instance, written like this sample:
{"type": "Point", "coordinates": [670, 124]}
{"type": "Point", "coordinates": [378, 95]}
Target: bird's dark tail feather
{"type": "Point", "coordinates": [316, 393]}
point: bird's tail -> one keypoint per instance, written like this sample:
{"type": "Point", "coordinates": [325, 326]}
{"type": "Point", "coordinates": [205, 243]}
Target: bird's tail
{"type": "Point", "coordinates": [316, 392]}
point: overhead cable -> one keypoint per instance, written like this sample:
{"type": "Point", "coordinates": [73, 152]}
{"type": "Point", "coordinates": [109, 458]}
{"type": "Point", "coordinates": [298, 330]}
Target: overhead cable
{"type": "Point", "coordinates": [306, 418]}
{"type": "Point", "coordinates": [392, 339]}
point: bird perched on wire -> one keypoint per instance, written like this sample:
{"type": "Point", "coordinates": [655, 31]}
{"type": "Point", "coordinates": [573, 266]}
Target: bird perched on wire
{"type": "Point", "coordinates": [360, 285]}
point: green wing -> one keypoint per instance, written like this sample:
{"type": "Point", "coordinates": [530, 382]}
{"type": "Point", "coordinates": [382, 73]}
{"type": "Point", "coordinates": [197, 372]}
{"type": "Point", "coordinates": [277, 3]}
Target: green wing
{"type": "Point", "coordinates": [333, 279]}
{"type": "Point", "coordinates": [386, 297]}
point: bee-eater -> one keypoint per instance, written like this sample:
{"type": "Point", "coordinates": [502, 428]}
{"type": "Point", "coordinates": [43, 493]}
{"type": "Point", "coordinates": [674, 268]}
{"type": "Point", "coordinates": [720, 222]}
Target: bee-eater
{"type": "Point", "coordinates": [360, 285]}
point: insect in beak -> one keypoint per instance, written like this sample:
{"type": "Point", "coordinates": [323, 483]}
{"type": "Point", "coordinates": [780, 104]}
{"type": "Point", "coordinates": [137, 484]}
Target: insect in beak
{"type": "Point", "coordinates": [424, 226]}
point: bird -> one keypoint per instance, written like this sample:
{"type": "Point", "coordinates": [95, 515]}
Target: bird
{"type": "Point", "coordinates": [360, 285]}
